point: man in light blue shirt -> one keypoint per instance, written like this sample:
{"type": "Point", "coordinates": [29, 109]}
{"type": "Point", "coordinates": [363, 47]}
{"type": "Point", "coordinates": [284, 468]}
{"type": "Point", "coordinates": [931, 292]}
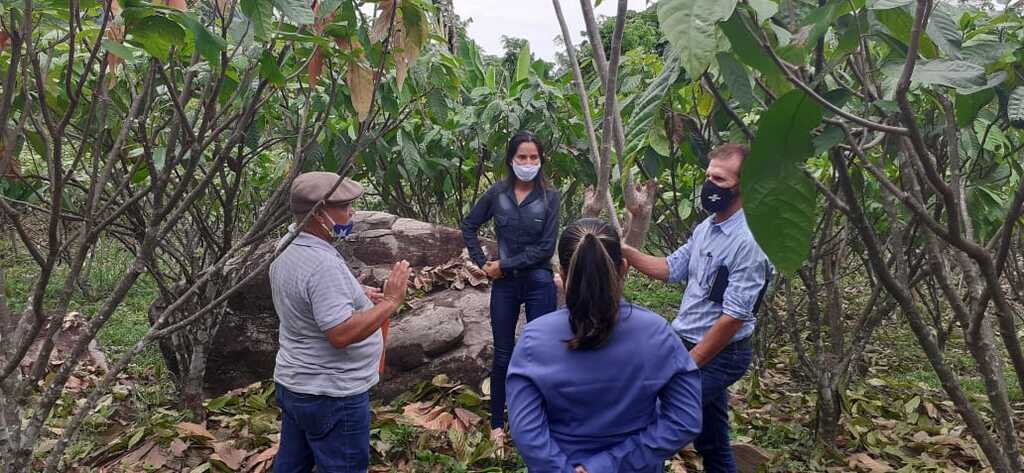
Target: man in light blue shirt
{"type": "Point", "coordinates": [726, 273]}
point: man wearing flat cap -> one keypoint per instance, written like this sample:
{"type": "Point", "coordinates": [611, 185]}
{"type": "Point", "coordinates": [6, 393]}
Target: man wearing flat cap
{"type": "Point", "coordinates": [330, 338]}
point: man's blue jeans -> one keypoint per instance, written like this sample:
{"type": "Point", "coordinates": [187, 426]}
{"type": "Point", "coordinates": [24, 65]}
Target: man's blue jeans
{"type": "Point", "coordinates": [332, 433]}
{"type": "Point", "coordinates": [536, 289]}
{"type": "Point", "coordinates": [717, 375]}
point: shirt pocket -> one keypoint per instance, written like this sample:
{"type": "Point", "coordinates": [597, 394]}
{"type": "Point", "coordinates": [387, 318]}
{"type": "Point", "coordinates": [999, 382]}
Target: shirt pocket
{"type": "Point", "coordinates": [504, 224]}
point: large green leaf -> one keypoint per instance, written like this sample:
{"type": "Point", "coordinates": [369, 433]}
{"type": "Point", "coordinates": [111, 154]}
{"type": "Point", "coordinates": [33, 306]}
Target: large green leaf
{"type": "Point", "coordinates": [778, 199]}
{"type": "Point", "coordinates": [887, 4]}
{"type": "Point", "coordinates": [208, 45]}
{"type": "Point", "coordinates": [944, 31]}
{"type": "Point", "coordinates": [1015, 107]}
{"type": "Point", "coordinates": [691, 28]}
{"type": "Point", "coordinates": [736, 77]}
{"type": "Point", "coordinates": [647, 105]}
{"type": "Point", "coordinates": [960, 75]}
{"type": "Point", "coordinates": [523, 63]}
{"type": "Point", "coordinates": [261, 14]}
{"type": "Point", "coordinates": [899, 22]}
{"type": "Point", "coordinates": [296, 10]}
{"type": "Point", "coordinates": [764, 9]}
{"type": "Point", "coordinates": [270, 71]}
{"type": "Point", "coordinates": [157, 35]}
{"type": "Point", "coordinates": [967, 106]}
{"type": "Point", "coordinates": [746, 47]}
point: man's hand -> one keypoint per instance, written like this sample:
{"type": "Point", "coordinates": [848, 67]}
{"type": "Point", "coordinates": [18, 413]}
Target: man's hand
{"type": "Point", "coordinates": [374, 294]}
{"type": "Point", "coordinates": [580, 469]}
{"type": "Point", "coordinates": [493, 269]}
{"type": "Point", "coordinates": [559, 284]}
{"type": "Point", "coordinates": [397, 284]}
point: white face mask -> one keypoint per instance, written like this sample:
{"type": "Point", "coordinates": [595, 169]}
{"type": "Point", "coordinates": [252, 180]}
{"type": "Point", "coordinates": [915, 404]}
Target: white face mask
{"type": "Point", "coordinates": [526, 172]}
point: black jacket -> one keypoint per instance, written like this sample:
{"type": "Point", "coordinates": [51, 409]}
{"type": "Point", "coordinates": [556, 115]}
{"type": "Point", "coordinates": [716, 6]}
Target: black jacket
{"type": "Point", "coordinates": [526, 232]}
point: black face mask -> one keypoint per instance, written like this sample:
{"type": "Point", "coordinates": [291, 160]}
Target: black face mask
{"type": "Point", "coordinates": [715, 199]}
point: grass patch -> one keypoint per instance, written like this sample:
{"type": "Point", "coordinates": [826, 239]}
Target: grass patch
{"type": "Point", "coordinates": [655, 295]}
{"type": "Point", "coordinates": [129, 322]}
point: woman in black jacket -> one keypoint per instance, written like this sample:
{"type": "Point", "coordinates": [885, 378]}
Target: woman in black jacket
{"type": "Point", "coordinates": [525, 212]}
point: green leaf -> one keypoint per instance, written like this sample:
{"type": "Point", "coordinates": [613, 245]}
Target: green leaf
{"type": "Point", "coordinates": [438, 105]}
{"type": "Point", "coordinates": [984, 53]}
{"type": "Point", "coordinates": [261, 14]}
{"type": "Point", "coordinates": [690, 26]}
{"type": "Point", "coordinates": [296, 10]}
{"type": "Point", "coordinates": [967, 106]}
{"type": "Point", "coordinates": [270, 71]}
{"type": "Point", "coordinates": [118, 49]}
{"type": "Point", "coordinates": [746, 47]}
{"type": "Point", "coordinates": [208, 45]}
{"type": "Point", "coordinates": [944, 31]}
{"type": "Point", "coordinates": [899, 22]}
{"type": "Point", "coordinates": [1015, 108]}
{"type": "Point", "coordinates": [658, 138]}
{"type": "Point", "coordinates": [523, 63]}
{"type": "Point", "coordinates": [764, 9]}
{"type": "Point", "coordinates": [828, 139]}
{"type": "Point", "coordinates": [737, 79]}
{"type": "Point", "coordinates": [779, 201]}
{"type": "Point", "coordinates": [960, 75]}
{"type": "Point", "coordinates": [648, 104]}
{"type": "Point", "coordinates": [887, 4]}
{"type": "Point", "coordinates": [157, 35]}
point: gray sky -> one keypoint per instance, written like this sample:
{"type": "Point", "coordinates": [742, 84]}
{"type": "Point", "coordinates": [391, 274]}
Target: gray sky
{"type": "Point", "coordinates": [534, 20]}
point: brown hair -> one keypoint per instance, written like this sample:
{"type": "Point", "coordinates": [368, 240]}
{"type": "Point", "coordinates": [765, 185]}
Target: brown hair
{"type": "Point", "coordinates": [592, 251]}
{"type": "Point", "coordinates": [730, 150]}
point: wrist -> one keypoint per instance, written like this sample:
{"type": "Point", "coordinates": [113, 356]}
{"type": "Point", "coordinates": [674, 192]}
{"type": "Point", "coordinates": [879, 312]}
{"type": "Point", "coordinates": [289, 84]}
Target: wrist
{"type": "Point", "coordinates": [390, 304]}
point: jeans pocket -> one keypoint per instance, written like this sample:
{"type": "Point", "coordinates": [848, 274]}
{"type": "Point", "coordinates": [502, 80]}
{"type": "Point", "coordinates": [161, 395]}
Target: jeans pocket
{"type": "Point", "coordinates": [318, 416]}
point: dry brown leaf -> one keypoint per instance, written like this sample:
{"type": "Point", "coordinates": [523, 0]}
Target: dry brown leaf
{"type": "Point", "coordinates": [156, 458]}
{"type": "Point", "coordinates": [133, 458]}
{"type": "Point", "coordinates": [230, 456]}
{"type": "Point", "coordinates": [441, 423]}
{"type": "Point", "coordinates": [864, 462]}
{"type": "Point", "coordinates": [178, 447]}
{"type": "Point", "coordinates": [264, 459]}
{"type": "Point", "coordinates": [677, 467]}
{"type": "Point", "coordinates": [383, 22]}
{"type": "Point", "coordinates": [316, 65]}
{"type": "Point", "coordinates": [467, 417]}
{"type": "Point", "coordinates": [359, 79]}
{"type": "Point", "coordinates": [188, 429]}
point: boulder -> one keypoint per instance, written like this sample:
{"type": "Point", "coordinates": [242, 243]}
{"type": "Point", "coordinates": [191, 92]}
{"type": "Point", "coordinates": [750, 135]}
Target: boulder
{"type": "Point", "coordinates": [445, 332]}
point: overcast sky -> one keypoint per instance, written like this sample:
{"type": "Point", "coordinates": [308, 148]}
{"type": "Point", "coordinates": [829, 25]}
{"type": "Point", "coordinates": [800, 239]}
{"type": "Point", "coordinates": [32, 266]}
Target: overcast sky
{"type": "Point", "coordinates": [534, 20]}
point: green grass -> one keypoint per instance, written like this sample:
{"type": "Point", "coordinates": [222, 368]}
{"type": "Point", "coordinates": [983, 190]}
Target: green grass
{"type": "Point", "coordinates": [654, 295]}
{"type": "Point", "coordinates": [129, 322]}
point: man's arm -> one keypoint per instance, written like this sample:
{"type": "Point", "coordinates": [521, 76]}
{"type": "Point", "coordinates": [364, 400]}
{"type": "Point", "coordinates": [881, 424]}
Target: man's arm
{"type": "Point", "coordinates": [362, 324]}
{"type": "Point", "coordinates": [716, 339]}
{"type": "Point", "coordinates": [653, 266]}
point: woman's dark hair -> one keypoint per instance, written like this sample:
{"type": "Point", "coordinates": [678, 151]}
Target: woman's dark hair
{"type": "Point", "coordinates": [513, 147]}
{"type": "Point", "coordinates": [592, 251]}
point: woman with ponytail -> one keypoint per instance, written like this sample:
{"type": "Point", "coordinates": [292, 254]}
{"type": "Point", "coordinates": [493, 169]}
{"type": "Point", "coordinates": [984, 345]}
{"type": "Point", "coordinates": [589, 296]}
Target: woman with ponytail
{"type": "Point", "coordinates": [601, 385]}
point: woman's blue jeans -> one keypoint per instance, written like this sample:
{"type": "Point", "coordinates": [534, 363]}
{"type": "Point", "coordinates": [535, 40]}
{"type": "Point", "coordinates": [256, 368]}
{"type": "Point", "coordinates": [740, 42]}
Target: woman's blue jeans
{"type": "Point", "coordinates": [536, 289]}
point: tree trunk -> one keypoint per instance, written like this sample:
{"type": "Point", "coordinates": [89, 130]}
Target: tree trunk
{"type": "Point", "coordinates": [829, 409]}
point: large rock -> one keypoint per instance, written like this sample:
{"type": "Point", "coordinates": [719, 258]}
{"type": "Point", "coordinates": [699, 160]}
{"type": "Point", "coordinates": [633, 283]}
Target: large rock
{"type": "Point", "coordinates": [446, 332]}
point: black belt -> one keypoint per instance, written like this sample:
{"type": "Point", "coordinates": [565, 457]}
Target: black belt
{"type": "Point", "coordinates": [743, 343]}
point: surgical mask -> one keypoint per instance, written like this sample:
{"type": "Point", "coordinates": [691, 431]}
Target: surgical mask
{"type": "Point", "coordinates": [715, 199]}
{"type": "Point", "coordinates": [526, 172]}
{"type": "Point", "coordinates": [338, 230]}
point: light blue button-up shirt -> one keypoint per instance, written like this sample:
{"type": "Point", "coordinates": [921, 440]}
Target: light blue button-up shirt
{"type": "Point", "coordinates": [712, 246]}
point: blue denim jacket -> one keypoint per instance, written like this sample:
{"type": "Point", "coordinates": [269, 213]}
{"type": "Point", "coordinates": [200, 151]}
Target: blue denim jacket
{"type": "Point", "coordinates": [526, 232]}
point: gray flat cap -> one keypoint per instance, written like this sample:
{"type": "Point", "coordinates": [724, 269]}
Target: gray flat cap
{"type": "Point", "coordinates": [310, 188]}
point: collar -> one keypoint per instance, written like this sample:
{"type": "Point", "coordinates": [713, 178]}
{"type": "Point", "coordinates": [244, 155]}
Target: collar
{"type": "Point", "coordinates": [533, 195]}
{"type": "Point", "coordinates": [310, 240]}
{"type": "Point", "coordinates": [730, 224]}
